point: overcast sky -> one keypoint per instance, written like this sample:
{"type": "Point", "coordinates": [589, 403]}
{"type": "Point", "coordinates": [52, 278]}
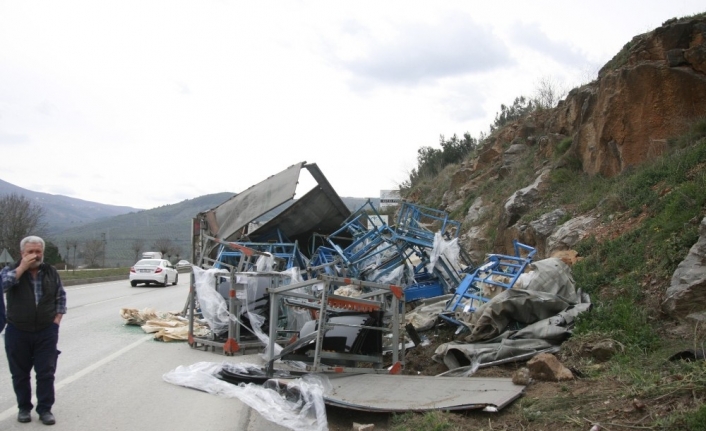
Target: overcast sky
{"type": "Point", "coordinates": [145, 103]}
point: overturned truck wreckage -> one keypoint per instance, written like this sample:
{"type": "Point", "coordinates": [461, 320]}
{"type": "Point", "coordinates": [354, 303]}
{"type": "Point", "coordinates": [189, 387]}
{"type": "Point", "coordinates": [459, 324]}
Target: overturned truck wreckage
{"type": "Point", "coordinates": [259, 234]}
{"type": "Point", "coordinates": [322, 289]}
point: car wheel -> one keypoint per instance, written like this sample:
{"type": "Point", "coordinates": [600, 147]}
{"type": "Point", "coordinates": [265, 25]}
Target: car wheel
{"type": "Point", "coordinates": [176, 280]}
{"type": "Point", "coordinates": [164, 284]}
{"type": "Point", "coordinates": [133, 283]}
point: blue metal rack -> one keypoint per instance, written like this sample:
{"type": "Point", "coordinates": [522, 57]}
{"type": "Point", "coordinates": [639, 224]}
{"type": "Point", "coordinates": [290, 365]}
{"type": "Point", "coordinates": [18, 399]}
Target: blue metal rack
{"type": "Point", "coordinates": [413, 220]}
{"type": "Point", "coordinates": [288, 253]}
{"type": "Point", "coordinates": [498, 270]}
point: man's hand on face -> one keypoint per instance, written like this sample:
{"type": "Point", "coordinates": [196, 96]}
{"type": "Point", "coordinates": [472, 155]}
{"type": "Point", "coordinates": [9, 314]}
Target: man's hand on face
{"type": "Point", "coordinates": [28, 261]}
{"type": "Point", "coordinates": [31, 256]}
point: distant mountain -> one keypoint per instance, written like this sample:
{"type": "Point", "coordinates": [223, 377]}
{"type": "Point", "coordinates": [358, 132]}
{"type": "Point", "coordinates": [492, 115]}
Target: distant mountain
{"type": "Point", "coordinates": [63, 212]}
{"type": "Point", "coordinates": [78, 220]}
{"type": "Point", "coordinates": [169, 221]}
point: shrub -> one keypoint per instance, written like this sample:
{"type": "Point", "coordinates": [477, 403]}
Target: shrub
{"type": "Point", "coordinates": [563, 145]}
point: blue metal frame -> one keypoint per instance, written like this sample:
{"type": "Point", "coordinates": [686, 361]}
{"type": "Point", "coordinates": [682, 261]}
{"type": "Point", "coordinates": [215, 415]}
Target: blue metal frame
{"type": "Point", "coordinates": [411, 220]}
{"type": "Point", "coordinates": [510, 267]}
{"type": "Point", "coordinates": [289, 252]}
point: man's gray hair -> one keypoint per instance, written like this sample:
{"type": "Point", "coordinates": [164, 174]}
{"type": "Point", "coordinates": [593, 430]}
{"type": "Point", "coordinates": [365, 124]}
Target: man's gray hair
{"type": "Point", "coordinates": [31, 240]}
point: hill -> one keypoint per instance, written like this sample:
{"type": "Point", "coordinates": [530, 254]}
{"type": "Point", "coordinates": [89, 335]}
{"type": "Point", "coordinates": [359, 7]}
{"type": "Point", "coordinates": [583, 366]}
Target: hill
{"type": "Point", "coordinates": [612, 180]}
{"type": "Point", "coordinates": [172, 222]}
{"type": "Point", "coordinates": [63, 212]}
{"type": "Point", "coordinates": [169, 221]}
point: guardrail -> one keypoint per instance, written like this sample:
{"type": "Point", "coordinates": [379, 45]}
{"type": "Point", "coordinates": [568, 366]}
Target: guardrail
{"type": "Point", "coordinates": [75, 281]}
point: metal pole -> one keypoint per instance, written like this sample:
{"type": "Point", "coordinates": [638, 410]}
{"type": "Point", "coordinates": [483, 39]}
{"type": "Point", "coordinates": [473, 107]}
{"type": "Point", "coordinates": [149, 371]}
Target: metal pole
{"type": "Point", "coordinates": [104, 242]}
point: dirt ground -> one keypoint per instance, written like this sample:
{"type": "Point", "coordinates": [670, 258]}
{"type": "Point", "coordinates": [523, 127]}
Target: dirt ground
{"type": "Point", "coordinates": [574, 405]}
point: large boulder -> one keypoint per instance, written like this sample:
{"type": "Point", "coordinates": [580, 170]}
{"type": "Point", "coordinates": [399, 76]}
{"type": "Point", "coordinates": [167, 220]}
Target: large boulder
{"type": "Point", "coordinates": [571, 232]}
{"type": "Point", "coordinates": [522, 200]}
{"type": "Point", "coordinates": [476, 211]}
{"type": "Point", "coordinates": [539, 230]}
{"type": "Point", "coordinates": [686, 294]}
{"type": "Point", "coordinates": [512, 156]}
{"type": "Point", "coordinates": [476, 243]}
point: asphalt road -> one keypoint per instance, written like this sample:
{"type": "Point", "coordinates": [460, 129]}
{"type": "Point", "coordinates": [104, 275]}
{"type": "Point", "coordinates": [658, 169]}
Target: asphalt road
{"type": "Point", "coordinates": [109, 375]}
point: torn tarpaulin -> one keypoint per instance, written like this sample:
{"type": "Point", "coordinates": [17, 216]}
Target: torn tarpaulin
{"type": "Point", "coordinates": [548, 308]}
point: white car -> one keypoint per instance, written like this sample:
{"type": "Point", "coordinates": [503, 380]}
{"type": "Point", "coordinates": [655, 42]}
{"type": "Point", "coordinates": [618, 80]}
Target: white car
{"type": "Point", "coordinates": [157, 271]}
{"type": "Point", "coordinates": [183, 264]}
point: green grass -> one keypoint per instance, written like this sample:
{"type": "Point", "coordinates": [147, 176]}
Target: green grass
{"type": "Point", "coordinates": [429, 421]}
{"type": "Point", "coordinates": [82, 274]}
{"type": "Point", "coordinates": [661, 203]}
{"type": "Point", "coordinates": [563, 146]}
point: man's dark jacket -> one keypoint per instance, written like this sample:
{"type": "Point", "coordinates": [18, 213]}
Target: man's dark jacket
{"type": "Point", "coordinates": [22, 311]}
{"type": "Point", "coordinates": [2, 311]}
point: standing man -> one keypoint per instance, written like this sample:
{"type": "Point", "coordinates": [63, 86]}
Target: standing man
{"type": "Point", "coordinates": [2, 311]}
{"type": "Point", "coordinates": [36, 302]}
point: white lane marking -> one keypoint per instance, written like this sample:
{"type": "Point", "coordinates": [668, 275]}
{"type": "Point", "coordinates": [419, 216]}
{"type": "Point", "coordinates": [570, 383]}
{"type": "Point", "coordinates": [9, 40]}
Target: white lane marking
{"type": "Point", "coordinates": [12, 411]}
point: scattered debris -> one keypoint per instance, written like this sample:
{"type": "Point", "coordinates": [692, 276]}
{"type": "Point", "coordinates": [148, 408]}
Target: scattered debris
{"type": "Point", "coordinates": [346, 304]}
{"type": "Point", "coordinates": [166, 326]}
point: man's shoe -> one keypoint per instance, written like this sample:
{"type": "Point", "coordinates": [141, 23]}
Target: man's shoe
{"type": "Point", "coordinates": [24, 416]}
{"type": "Point", "coordinates": [47, 418]}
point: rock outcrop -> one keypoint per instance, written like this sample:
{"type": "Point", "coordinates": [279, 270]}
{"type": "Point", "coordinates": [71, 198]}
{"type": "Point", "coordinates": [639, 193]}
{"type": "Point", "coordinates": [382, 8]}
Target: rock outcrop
{"type": "Point", "coordinates": [647, 93]}
{"type": "Point", "coordinates": [686, 295]}
{"type": "Point", "coordinates": [642, 97]}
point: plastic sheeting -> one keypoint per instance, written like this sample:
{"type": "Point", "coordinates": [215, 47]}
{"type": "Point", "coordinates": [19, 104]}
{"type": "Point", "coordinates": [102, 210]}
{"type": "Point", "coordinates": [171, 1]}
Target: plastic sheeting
{"type": "Point", "coordinates": [215, 309]}
{"type": "Point", "coordinates": [297, 405]}
{"type": "Point", "coordinates": [424, 316]}
{"type": "Point", "coordinates": [449, 249]}
{"type": "Point", "coordinates": [213, 305]}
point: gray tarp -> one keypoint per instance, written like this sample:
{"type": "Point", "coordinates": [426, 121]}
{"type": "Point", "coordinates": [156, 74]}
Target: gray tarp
{"type": "Point", "coordinates": [548, 306]}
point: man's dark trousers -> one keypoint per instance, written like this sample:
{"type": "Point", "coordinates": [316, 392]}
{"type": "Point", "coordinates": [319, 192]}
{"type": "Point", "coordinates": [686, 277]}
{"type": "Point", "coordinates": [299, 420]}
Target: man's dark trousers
{"type": "Point", "coordinates": [32, 349]}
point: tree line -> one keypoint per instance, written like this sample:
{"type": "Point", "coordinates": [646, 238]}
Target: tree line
{"type": "Point", "coordinates": [20, 217]}
{"type": "Point", "coordinates": [431, 161]}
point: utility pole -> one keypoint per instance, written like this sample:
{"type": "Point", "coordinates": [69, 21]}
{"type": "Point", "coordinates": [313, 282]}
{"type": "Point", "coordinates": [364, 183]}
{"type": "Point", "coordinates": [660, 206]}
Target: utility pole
{"type": "Point", "coordinates": [74, 243]}
{"type": "Point", "coordinates": [104, 242]}
{"type": "Point", "coordinates": [67, 243]}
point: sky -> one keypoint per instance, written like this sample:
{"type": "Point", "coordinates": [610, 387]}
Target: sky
{"type": "Point", "coordinates": [147, 103]}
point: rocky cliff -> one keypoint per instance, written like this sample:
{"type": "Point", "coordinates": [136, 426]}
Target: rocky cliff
{"type": "Point", "coordinates": [648, 93]}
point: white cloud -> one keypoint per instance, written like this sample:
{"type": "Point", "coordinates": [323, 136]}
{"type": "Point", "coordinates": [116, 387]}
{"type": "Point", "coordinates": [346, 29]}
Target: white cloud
{"type": "Point", "coordinates": [417, 52]}
{"type": "Point", "coordinates": [202, 97]}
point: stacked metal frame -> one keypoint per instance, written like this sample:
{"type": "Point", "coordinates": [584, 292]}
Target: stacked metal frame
{"type": "Point", "coordinates": [234, 296]}
{"type": "Point", "coordinates": [382, 302]}
{"type": "Point", "coordinates": [375, 249]}
{"type": "Point", "coordinates": [286, 255]}
{"type": "Point", "coordinates": [498, 270]}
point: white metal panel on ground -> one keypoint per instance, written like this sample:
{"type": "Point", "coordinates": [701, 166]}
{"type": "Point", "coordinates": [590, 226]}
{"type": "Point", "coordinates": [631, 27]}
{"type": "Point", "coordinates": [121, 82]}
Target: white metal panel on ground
{"type": "Point", "coordinates": [402, 393]}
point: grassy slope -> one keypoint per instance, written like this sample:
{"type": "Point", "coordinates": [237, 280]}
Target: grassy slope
{"type": "Point", "coordinates": [655, 210]}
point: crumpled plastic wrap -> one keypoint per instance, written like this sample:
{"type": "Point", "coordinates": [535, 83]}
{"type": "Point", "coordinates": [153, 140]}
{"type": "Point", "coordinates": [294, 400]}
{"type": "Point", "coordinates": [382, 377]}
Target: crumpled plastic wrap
{"type": "Point", "coordinates": [448, 249]}
{"type": "Point", "coordinates": [215, 309]}
{"type": "Point", "coordinates": [213, 305]}
{"type": "Point", "coordinates": [297, 405]}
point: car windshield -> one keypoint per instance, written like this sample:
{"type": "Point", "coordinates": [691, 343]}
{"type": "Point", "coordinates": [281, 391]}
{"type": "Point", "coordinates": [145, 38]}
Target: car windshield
{"type": "Point", "coordinates": [148, 262]}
